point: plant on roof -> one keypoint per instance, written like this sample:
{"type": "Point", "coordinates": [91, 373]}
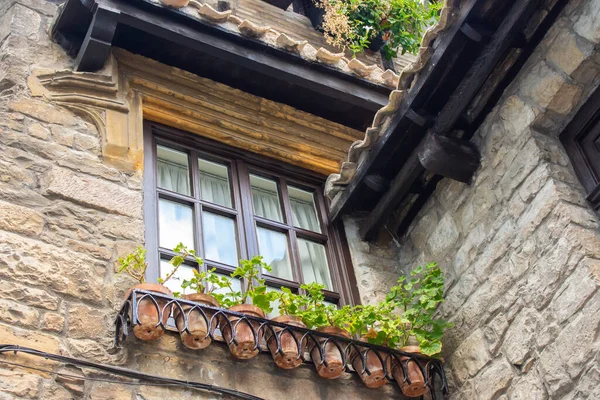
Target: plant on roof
{"type": "Point", "coordinates": [398, 24]}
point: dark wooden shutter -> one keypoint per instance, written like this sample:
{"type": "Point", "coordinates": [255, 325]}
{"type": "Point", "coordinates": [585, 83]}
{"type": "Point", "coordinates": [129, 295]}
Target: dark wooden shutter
{"type": "Point", "coordinates": [581, 139]}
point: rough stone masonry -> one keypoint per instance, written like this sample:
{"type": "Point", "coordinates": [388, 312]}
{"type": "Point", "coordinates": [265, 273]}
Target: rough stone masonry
{"type": "Point", "coordinates": [520, 246]}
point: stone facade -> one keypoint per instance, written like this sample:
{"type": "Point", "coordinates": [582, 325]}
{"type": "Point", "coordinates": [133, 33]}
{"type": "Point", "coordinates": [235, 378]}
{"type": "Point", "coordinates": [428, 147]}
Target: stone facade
{"type": "Point", "coordinates": [520, 246]}
{"type": "Point", "coordinates": [66, 214]}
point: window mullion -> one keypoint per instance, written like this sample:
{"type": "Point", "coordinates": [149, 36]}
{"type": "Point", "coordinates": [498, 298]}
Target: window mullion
{"type": "Point", "coordinates": [293, 240]}
{"type": "Point", "coordinates": [198, 231]}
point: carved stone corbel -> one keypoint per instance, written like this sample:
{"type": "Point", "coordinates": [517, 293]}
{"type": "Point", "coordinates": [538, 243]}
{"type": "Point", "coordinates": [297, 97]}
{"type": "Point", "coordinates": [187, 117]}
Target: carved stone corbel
{"type": "Point", "coordinates": [105, 100]}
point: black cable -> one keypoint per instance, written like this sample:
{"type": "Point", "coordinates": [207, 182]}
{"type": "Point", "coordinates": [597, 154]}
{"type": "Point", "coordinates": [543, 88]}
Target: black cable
{"type": "Point", "coordinates": [153, 379]}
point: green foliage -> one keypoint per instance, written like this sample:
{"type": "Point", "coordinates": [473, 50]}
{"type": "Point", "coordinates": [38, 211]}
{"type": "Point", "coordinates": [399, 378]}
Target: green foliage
{"type": "Point", "coordinates": [134, 264]}
{"type": "Point", "coordinates": [354, 24]}
{"type": "Point", "coordinates": [256, 290]}
{"type": "Point", "coordinates": [178, 259]}
{"type": "Point", "coordinates": [418, 298]}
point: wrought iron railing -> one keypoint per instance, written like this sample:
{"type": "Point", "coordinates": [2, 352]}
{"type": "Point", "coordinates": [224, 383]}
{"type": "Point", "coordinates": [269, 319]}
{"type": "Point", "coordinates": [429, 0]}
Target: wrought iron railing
{"type": "Point", "coordinates": [306, 340]}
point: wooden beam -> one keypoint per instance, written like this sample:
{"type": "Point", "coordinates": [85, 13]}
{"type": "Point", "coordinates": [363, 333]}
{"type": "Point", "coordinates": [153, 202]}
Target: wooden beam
{"type": "Point", "coordinates": [449, 157]}
{"type": "Point", "coordinates": [514, 22]}
{"type": "Point", "coordinates": [95, 49]}
{"type": "Point", "coordinates": [399, 188]}
{"type": "Point", "coordinates": [510, 28]}
{"type": "Point", "coordinates": [446, 54]}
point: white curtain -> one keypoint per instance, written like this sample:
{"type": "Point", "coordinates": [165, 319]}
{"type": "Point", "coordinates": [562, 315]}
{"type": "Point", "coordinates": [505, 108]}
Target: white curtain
{"type": "Point", "coordinates": [215, 189]}
{"type": "Point", "coordinates": [174, 177]}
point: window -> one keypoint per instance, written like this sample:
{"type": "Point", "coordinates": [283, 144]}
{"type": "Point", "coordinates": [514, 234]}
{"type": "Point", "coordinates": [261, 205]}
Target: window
{"type": "Point", "coordinates": [581, 139]}
{"type": "Point", "coordinates": [228, 205]}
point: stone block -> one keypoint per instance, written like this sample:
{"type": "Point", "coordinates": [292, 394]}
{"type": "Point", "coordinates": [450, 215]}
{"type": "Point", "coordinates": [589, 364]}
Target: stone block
{"type": "Point", "coordinates": [56, 268]}
{"type": "Point", "coordinates": [552, 369]}
{"type": "Point", "coordinates": [20, 384]}
{"type": "Point", "coordinates": [574, 293]}
{"type": "Point", "coordinates": [470, 357]}
{"type": "Point", "coordinates": [527, 387]}
{"type": "Point", "coordinates": [444, 235]}
{"type": "Point", "coordinates": [94, 192]}
{"type": "Point", "coordinates": [26, 22]}
{"type": "Point", "coordinates": [29, 338]}
{"type": "Point", "coordinates": [587, 24]}
{"type": "Point", "coordinates": [494, 332]}
{"type": "Point", "coordinates": [28, 295]}
{"type": "Point", "coordinates": [85, 322]}
{"type": "Point", "coordinates": [43, 111]}
{"type": "Point", "coordinates": [20, 219]}
{"type": "Point", "coordinates": [567, 100]}
{"type": "Point", "coordinates": [582, 331]}
{"type": "Point", "coordinates": [53, 322]}
{"type": "Point", "coordinates": [494, 379]}
{"type": "Point", "coordinates": [17, 314]}
{"type": "Point", "coordinates": [567, 54]}
{"type": "Point", "coordinates": [63, 136]}
{"type": "Point", "coordinates": [86, 143]}
{"type": "Point", "coordinates": [541, 84]}
{"type": "Point", "coordinates": [520, 338]}
{"type": "Point", "coordinates": [110, 391]}
{"type": "Point", "coordinates": [38, 131]}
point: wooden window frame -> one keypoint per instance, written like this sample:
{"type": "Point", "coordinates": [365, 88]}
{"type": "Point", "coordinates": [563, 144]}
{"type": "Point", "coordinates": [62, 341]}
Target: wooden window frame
{"type": "Point", "coordinates": [242, 163]}
{"type": "Point", "coordinates": [581, 139]}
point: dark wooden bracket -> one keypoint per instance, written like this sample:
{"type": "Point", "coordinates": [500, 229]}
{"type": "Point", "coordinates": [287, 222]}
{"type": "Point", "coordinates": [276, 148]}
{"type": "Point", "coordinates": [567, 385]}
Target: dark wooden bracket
{"type": "Point", "coordinates": [450, 157]}
{"type": "Point", "coordinates": [476, 33]}
{"type": "Point", "coordinates": [95, 49]}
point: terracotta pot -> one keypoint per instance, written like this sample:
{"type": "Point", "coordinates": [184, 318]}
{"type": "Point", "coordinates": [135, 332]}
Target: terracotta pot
{"type": "Point", "coordinates": [175, 3]}
{"type": "Point", "coordinates": [198, 337]}
{"type": "Point", "coordinates": [332, 355]}
{"type": "Point", "coordinates": [374, 365]}
{"type": "Point", "coordinates": [244, 349]}
{"type": "Point", "coordinates": [417, 385]}
{"type": "Point", "coordinates": [289, 359]}
{"type": "Point", "coordinates": [148, 313]}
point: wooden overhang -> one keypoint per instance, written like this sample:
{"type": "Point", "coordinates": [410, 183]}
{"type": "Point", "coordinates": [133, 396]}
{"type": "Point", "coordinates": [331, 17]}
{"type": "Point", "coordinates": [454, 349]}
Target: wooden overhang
{"type": "Point", "coordinates": [428, 137]}
{"type": "Point", "coordinates": [88, 29]}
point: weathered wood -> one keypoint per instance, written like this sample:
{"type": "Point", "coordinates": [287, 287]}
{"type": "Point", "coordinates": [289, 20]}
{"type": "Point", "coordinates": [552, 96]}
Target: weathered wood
{"type": "Point", "coordinates": [500, 42]}
{"type": "Point", "coordinates": [392, 198]}
{"type": "Point", "coordinates": [450, 157]}
{"type": "Point", "coordinates": [480, 70]}
{"type": "Point", "coordinates": [95, 50]}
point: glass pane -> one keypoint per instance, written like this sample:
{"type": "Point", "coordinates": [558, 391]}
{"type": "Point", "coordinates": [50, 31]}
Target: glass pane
{"type": "Point", "coordinates": [173, 172]}
{"type": "Point", "coordinates": [175, 224]}
{"type": "Point", "coordinates": [304, 210]}
{"type": "Point", "coordinates": [220, 242]}
{"type": "Point", "coordinates": [236, 285]}
{"type": "Point", "coordinates": [174, 283]}
{"type": "Point", "coordinates": [214, 183]}
{"type": "Point", "coordinates": [275, 304]}
{"type": "Point", "coordinates": [266, 198]}
{"type": "Point", "coordinates": [314, 263]}
{"type": "Point", "coordinates": [273, 246]}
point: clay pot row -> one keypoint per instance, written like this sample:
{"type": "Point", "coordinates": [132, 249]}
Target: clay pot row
{"type": "Point", "coordinates": [286, 356]}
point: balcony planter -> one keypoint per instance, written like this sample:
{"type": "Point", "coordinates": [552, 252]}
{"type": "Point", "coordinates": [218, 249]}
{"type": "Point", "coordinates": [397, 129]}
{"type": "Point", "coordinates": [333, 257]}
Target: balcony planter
{"type": "Point", "coordinates": [197, 338]}
{"type": "Point", "coordinates": [333, 366]}
{"type": "Point", "coordinates": [417, 386]}
{"type": "Point", "coordinates": [376, 376]}
{"type": "Point", "coordinates": [289, 346]}
{"type": "Point", "coordinates": [244, 346]}
{"type": "Point", "coordinates": [148, 312]}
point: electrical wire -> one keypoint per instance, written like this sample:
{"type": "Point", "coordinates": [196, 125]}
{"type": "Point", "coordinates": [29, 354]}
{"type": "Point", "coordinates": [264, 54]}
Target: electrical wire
{"type": "Point", "coordinates": [150, 380]}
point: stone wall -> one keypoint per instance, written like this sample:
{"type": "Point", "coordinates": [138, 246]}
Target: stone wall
{"type": "Point", "coordinates": [65, 217]}
{"type": "Point", "coordinates": [520, 246]}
